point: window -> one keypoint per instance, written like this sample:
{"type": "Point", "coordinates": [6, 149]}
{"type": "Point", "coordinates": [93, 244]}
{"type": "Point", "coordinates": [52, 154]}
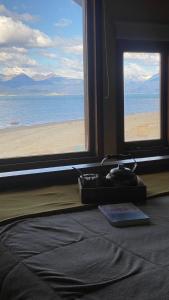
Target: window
{"type": "Point", "coordinates": [142, 95]}
{"type": "Point", "coordinates": [48, 81]}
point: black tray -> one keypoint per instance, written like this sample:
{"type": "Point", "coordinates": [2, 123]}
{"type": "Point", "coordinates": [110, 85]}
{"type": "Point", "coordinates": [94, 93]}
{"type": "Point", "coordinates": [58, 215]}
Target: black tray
{"type": "Point", "coordinates": [113, 194]}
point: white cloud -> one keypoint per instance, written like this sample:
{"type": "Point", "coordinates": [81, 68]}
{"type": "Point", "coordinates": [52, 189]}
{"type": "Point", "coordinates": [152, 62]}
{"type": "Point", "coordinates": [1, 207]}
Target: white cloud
{"type": "Point", "coordinates": [18, 41]}
{"type": "Point", "coordinates": [141, 66]}
{"type": "Point", "coordinates": [10, 72]}
{"type": "Point", "coordinates": [69, 45]}
{"type": "Point", "coordinates": [146, 58]}
{"type": "Point", "coordinates": [74, 64]}
{"type": "Point", "coordinates": [28, 18]}
{"type": "Point", "coordinates": [75, 49]}
{"type": "Point", "coordinates": [63, 23]}
{"type": "Point", "coordinates": [14, 50]}
{"type": "Point", "coordinates": [70, 68]}
{"type": "Point", "coordinates": [15, 56]}
{"type": "Point", "coordinates": [22, 17]}
{"type": "Point", "coordinates": [26, 37]}
{"type": "Point", "coordinates": [49, 54]}
{"type": "Point", "coordinates": [66, 68]}
{"type": "Point", "coordinates": [137, 72]}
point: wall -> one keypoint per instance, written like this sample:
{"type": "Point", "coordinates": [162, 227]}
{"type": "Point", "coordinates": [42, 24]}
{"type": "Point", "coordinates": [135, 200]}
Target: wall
{"type": "Point", "coordinates": [136, 11]}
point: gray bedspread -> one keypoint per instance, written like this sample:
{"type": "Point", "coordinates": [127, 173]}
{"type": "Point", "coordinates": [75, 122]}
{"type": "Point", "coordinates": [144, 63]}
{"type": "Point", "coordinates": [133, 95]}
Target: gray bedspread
{"type": "Point", "coordinates": [79, 255]}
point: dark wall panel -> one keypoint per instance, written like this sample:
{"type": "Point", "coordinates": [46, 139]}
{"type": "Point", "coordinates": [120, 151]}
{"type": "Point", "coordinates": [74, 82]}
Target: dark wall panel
{"type": "Point", "coordinates": [139, 10]}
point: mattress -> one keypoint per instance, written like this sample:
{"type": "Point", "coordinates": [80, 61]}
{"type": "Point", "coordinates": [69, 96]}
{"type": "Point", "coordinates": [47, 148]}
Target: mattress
{"type": "Point", "coordinates": [80, 255]}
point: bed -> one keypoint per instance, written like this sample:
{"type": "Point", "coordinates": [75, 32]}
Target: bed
{"type": "Point", "coordinates": [79, 255]}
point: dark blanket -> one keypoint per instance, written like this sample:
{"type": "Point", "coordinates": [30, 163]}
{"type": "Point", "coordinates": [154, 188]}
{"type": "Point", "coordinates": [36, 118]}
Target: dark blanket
{"type": "Point", "coordinates": [80, 255]}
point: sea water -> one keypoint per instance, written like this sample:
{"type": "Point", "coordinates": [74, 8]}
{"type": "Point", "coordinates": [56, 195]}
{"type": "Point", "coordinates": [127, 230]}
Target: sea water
{"type": "Point", "coordinates": [34, 110]}
{"type": "Point", "coordinates": [141, 103]}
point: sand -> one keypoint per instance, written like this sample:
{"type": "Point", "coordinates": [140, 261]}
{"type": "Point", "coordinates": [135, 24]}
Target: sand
{"type": "Point", "coordinates": [42, 139]}
{"type": "Point", "coordinates": [142, 126]}
{"type": "Point", "coordinates": [68, 136]}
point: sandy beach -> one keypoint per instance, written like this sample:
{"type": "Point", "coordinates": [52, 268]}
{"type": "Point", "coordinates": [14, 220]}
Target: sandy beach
{"type": "Point", "coordinates": [68, 137]}
{"type": "Point", "coordinates": [42, 139]}
{"type": "Point", "coordinates": [142, 126]}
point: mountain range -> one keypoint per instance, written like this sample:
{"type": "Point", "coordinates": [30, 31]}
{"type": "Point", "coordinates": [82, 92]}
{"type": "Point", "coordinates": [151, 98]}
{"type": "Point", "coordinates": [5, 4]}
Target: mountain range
{"type": "Point", "coordinates": [149, 86]}
{"type": "Point", "coordinates": [24, 85]}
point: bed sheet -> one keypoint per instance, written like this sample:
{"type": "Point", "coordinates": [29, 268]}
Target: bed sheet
{"type": "Point", "coordinates": [79, 255]}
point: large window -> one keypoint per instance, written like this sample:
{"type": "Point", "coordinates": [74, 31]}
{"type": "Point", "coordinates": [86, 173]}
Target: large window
{"type": "Point", "coordinates": [42, 78]}
{"type": "Point", "coordinates": [47, 79]}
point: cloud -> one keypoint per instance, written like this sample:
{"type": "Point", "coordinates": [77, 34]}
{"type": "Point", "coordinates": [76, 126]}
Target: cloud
{"type": "Point", "coordinates": [141, 66]}
{"type": "Point", "coordinates": [20, 44]}
{"type": "Point", "coordinates": [49, 54]}
{"type": "Point", "coordinates": [69, 45]}
{"type": "Point", "coordinates": [26, 37]}
{"type": "Point", "coordinates": [63, 23]}
{"type": "Point", "coordinates": [136, 72]}
{"type": "Point", "coordinates": [17, 56]}
{"type": "Point", "coordinates": [20, 17]}
{"type": "Point", "coordinates": [10, 72]}
{"type": "Point", "coordinates": [146, 58]}
{"type": "Point", "coordinates": [75, 49]}
{"type": "Point", "coordinates": [72, 68]}
{"type": "Point", "coordinates": [31, 71]}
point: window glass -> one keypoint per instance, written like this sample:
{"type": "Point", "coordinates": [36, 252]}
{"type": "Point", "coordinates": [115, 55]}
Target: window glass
{"type": "Point", "coordinates": [41, 77]}
{"type": "Point", "coordinates": [142, 96]}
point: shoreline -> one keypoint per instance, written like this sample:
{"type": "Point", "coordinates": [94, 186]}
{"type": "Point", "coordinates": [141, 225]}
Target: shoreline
{"type": "Point", "coordinates": [20, 127]}
{"type": "Point", "coordinates": [45, 139]}
{"type": "Point", "coordinates": [68, 136]}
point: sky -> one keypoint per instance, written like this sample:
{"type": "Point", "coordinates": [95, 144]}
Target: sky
{"type": "Point", "coordinates": [39, 38]}
{"type": "Point", "coordinates": [141, 66]}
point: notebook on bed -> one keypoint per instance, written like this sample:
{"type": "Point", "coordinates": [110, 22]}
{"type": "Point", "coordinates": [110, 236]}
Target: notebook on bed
{"type": "Point", "coordinates": [124, 214]}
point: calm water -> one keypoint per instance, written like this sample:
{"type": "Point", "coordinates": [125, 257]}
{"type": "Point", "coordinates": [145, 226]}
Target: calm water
{"type": "Point", "coordinates": [32, 110]}
{"type": "Point", "coordinates": [138, 103]}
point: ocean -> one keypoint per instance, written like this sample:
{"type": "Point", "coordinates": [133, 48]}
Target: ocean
{"type": "Point", "coordinates": [141, 103]}
{"type": "Point", "coordinates": [34, 110]}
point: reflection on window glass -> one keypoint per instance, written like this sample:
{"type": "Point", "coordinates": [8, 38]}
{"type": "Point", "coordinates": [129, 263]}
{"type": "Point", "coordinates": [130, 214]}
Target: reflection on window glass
{"type": "Point", "coordinates": [141, 96]}
{"type": "Point", "coordinates": [41, 77]}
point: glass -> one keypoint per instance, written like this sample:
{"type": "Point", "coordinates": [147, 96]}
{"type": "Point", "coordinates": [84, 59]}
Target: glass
{"type": "Point", "coordinates": [41, 78]}
{"type": "Point", "coordinates": [142, 105]}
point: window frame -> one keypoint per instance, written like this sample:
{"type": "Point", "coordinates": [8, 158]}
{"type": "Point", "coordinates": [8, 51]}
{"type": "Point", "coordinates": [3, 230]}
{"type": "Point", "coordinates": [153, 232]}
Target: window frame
{"type": "Point", "coordinates": [93, 102]}
{"type": "Point", "coordinates": [147, 147]}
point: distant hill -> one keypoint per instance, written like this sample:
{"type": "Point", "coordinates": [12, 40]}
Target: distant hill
{"type": "Point", "coordinates": [25, 85]}
{"type": "Point", "coordinates": [148, 86]}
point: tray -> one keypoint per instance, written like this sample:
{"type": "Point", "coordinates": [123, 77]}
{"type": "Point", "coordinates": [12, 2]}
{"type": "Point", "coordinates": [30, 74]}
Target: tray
{"type": "Point", "coordinates": [113, 194]}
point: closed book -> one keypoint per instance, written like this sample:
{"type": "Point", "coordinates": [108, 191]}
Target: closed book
{"type": "Point", "coordinates": [124, 214]}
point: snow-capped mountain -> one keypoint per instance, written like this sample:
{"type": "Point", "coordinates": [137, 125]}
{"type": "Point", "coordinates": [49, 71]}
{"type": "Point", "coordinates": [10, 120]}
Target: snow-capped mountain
{"type": "Point", "coordinates": [25, 85]}
{"type": "Point", "coordinates": [52, 84]}
{"type": "Point", "coordinates": [149, 86]}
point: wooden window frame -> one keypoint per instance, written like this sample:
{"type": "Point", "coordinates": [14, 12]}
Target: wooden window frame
{"type": "Point", "coordinates": [147, 147]}
{"type": "Point", "coordinates": [93, 102]}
